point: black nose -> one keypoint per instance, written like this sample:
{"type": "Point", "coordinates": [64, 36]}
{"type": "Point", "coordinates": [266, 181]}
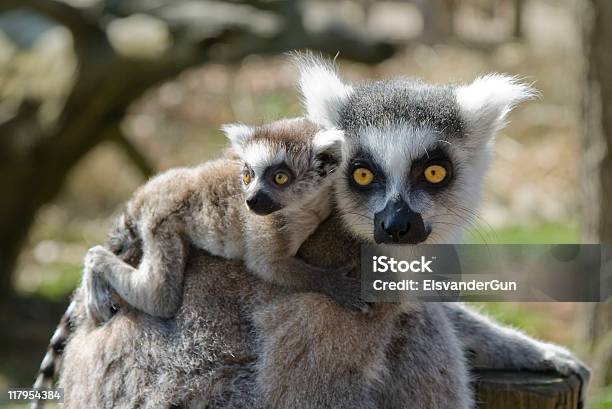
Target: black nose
{"type": "Point", "coordinates": [262, 204]}
{"type": "Point", "coordinates": [397, 223]}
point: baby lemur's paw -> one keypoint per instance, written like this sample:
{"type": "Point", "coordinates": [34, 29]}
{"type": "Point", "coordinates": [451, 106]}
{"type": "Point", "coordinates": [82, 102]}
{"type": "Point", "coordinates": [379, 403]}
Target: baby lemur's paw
{"type": "Point", "coordinates": [344, 289]}
{"type": "Point", "coordinates": [98, 293]}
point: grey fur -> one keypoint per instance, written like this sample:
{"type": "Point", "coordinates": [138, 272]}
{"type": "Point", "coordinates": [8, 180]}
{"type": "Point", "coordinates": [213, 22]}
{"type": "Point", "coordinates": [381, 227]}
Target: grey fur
{"type": "Point", "coordinates": [488, 344]}
{"type": "Point", "coordinates": [196, 362]}
{"type": "Point", "coordinates": [382, 103]}
{"type": "Point", "coordinates": [232, 328]}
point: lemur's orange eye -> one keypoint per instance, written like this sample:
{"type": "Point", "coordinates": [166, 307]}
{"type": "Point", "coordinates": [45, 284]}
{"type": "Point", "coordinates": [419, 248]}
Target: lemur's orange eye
{"type": "Point", "coordinates": [435, 173]}
{"type": "Point", "coordinates": [281, 178]}
{"type": "Point", "coordinates": [246, 178]}
{"type": "Point", "coordinates": [363, 176]}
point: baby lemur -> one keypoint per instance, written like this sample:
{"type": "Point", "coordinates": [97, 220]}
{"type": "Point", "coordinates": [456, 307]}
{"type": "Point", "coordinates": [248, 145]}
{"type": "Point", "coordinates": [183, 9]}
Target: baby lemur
{"type": "Point", "coordinates": [282, 171]}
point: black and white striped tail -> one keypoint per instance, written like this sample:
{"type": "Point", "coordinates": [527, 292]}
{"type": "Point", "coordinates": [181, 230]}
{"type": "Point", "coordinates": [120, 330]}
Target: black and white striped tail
{"type": "Point", "coordinates": [124, 241]}
{"type": "Point", "coordinates": [51, 362]}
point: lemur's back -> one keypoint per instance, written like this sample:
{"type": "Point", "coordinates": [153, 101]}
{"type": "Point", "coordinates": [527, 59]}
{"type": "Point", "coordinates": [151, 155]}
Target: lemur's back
{"type": "Point", "coordinates": [206, 202]}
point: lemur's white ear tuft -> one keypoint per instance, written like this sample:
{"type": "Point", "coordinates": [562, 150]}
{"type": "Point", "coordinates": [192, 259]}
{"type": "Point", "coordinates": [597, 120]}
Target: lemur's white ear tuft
{"type": "Point", "coordinates": [485, 103]}
{"type": "Point", "coordinates": [322, 89]}
{"type": "Point", "coordinates": [237, 133]}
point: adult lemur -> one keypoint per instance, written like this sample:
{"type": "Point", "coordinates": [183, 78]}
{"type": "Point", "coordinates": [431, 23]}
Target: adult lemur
{"type": "Point", "coordinates": [414, 162]}
{"type": "Point", "coordinates": [415, 158]}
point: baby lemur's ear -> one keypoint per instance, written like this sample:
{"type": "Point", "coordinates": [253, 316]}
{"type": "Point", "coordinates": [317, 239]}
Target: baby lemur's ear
{"type": "Point", "coordinates": [237, 134]}
{"type": "Point", "coordinates": [327, 147]}
{"type": "Point", "coordinates": [485, 103]}
{"type": "Point", "coordinates": [323, 92]}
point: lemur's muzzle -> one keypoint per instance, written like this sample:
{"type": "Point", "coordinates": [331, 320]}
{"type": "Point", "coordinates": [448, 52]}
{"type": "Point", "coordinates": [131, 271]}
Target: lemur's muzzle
{"type": "Point", "coordinates": [262, 204]}
{"type": "Point", "coordinates": [397, 223]}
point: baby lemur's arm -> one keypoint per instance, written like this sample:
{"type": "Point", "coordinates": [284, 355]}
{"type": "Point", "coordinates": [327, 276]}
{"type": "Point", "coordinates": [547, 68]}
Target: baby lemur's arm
{"type": "Point", "coordinates": [272, 244]}
{"type": "Point", "coordinates": [155, 287]}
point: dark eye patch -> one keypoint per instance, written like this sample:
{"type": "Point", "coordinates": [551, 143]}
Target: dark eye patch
{"type": "Point", "coordinates": [272, 170]}
{"type": "Point", "coordinates": [364, 159]}
{"type": "Point", "coordinates": [436, 156]}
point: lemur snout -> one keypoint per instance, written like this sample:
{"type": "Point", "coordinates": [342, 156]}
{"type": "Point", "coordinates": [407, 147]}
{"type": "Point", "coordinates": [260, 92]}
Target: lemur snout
{"type": "Point", "coordinates": [397, 223]}
{"type": "Point", "coordinates": [262, 204]}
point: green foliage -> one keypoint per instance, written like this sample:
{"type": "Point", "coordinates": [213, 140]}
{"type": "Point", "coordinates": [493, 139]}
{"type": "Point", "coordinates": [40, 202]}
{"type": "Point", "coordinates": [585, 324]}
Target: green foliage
{"type": "Point", "coordinates": [543, 233]}
{"type": "Point", "coordinates": [279, 105]}
{"type": "Point", "coordinates": [602, 400]}
{"type": "Point", "coordinates": [58, 282]}
{"type": "Point", "coordinates": [516, 315]}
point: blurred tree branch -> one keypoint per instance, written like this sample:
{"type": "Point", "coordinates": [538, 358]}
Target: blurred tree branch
{"type": "Point", "coordinates": [146, 168]}
{"type": "Point", "coordinates": [108, 81]}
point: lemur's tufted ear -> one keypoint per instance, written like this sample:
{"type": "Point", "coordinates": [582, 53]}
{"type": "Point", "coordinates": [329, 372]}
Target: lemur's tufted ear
{"type": "Point", "coordinates": [237, 134]}
{"type": "Point", "coordinates": [323, 92]}
{"type": "Point", "coordinates": [485, 103]}
{"type": "Point", "coordinates": [327, 146]}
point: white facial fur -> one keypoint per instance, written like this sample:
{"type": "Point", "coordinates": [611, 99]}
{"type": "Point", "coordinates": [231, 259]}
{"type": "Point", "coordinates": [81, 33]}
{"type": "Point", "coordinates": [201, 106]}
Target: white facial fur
{"type": "Point", "coordinates": [260, 156]}
{"type": "Point", "coordinates": [394, 149]}
{"type": "Point", "coordinates": [395, 143]}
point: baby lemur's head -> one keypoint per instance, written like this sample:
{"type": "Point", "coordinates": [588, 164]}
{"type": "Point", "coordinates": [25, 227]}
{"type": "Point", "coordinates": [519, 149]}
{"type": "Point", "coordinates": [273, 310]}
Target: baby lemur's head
{"type": "Point", "coordinates": [415, 154]}
{"type": "Point", "coordinates": [286, 162]}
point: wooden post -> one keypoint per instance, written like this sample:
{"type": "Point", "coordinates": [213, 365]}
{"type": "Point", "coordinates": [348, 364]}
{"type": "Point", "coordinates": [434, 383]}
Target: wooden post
{"type": "Point", "coordinates": [525, 390]}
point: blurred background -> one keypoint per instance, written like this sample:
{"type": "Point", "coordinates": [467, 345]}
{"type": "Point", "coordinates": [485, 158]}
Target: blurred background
{"type": "Point", "coordinates": [98, 95]}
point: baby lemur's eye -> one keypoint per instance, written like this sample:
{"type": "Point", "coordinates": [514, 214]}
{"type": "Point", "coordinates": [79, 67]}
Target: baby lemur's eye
{"type": "Point", "coordinates": [363, 176]}
{"type": "Point", "coordinates": [281, 178]}
{"type": "Point", "coordinates": [435, 174]}
{"type": "Point", "coordinates": [246, 177]}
